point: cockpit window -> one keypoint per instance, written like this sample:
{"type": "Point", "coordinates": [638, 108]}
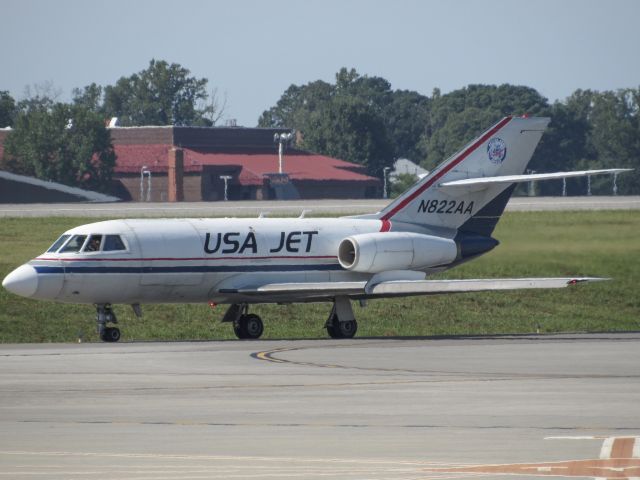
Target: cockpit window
{"type": "Point", "coordinates": [75, 244]}
{"type": "Point", "coordinates": [113, 243]}
{"type": "Point", "coordinates": [58, 243]}
{"type": "Point", "coordinates": [93, 245]}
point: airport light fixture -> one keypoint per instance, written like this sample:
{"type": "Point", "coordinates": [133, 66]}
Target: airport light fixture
{"type": "Point", "coordinates": [144, 171]}
{"type": "Point", "coordinates": [385, 174]}
{"type": "Point", "coordinates": [281, 139]}
{"type": "Point", "coordinates": [226, 179]}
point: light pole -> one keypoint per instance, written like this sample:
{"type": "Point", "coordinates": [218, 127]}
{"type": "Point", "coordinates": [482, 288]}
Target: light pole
{"type": "Point", "coordinates": [281, 139]}
{"type": "Point", "coordinates": [145, 171]}
{"type": "Point", "coordinates": [532, 185]}
{"type": "Point", "coordinates": [226, 179]}
{"type": "Point", "coordinates": [385, 172]}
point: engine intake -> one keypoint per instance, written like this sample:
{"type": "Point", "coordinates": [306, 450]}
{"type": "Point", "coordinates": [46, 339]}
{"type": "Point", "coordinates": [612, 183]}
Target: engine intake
{"type": "Point", "coordinates": [383, 251]}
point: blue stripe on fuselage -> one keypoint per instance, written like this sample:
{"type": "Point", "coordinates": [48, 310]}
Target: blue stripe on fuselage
{"type": "Point", "coordinates": [191, 269]}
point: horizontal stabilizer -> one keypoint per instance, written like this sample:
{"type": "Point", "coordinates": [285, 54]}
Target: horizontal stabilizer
{"type": "Point", "coordinates": [480, 183]}
{"type": "Point", "coordinates": [391, 288]}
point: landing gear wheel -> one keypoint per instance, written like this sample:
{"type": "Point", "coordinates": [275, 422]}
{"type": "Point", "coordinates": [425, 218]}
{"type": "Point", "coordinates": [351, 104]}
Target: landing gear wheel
{"type": "Point", "coordinates": [248, 326]}
{"type": "Point", "coordinates": [104, 316]}
{"type": "Point", "coordinates": [238, 330]}
{"type": "Point", "coordinates": [338, 329]}
{"type": "Point", "coordinates": [253, 326]}
{"type": "Point", "coordinates": [110, 334]}
{"type": "Point", "coordinates": [348, 329]}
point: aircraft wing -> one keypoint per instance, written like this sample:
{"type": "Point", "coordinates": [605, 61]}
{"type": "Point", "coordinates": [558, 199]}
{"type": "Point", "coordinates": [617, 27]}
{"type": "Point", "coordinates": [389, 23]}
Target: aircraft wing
{"type": "Point", "coordinates": [400, 288]}
{"type": "Point", "coordinates": [479, 183]}
{"type": "Point", "coordinates": [426, 287]}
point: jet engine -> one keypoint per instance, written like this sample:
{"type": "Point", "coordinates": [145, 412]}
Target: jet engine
{"type": "Point", "coordinates": [383, 251]}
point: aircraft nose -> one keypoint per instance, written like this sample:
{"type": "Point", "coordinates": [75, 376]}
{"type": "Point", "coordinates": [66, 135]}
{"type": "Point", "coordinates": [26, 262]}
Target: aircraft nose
{"type": "Point", "coordinates": [22, 281]}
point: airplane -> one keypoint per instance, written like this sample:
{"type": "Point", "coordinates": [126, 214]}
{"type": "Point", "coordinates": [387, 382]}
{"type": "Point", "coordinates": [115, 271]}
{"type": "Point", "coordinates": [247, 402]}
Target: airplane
{"type": "Point", "coordinates": [445, 219]}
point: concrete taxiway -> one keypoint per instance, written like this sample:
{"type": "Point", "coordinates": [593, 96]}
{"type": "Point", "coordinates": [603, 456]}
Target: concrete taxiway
{"type": "Point", "coordinates": [287, 208]}
{"type": "Point", "coordinates": [362, 408]}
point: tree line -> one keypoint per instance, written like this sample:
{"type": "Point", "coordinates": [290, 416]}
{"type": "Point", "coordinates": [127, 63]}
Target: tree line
{"type": "Point", "coordinates": [362, 119]}
{"type": "Point", "coordinates": [358, 118]}
{"type": "Point", "coordinates": [69, 142]}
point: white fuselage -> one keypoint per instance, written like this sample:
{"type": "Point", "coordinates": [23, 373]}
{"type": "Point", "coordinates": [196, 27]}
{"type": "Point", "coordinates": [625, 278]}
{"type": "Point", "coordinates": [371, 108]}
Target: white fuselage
{"type": "Point", "coordinates": [192, 260]}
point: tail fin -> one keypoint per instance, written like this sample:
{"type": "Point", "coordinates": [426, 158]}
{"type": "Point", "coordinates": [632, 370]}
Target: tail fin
{"type": "Point", "coordinates": [504, 149]}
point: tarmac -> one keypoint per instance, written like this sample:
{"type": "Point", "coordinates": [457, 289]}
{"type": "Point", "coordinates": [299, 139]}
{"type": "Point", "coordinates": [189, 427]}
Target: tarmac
{"type": "Point", "coordinates": [367, 408]}
{"type": "Point", "coordinates": [288, 208]}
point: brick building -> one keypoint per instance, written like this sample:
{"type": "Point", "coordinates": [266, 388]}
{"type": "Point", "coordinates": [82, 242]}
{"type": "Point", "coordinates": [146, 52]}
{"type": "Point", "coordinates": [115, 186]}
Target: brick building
{"type": "Point", "coordinates": [186, 163]}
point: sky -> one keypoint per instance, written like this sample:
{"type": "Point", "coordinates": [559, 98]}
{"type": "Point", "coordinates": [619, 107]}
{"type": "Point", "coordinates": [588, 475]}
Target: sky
{"type": "Point", "coordinates": [251, 51]}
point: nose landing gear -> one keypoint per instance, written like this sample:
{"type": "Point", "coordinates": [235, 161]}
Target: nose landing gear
{"type": "Point", "coordinates": [105, 315]}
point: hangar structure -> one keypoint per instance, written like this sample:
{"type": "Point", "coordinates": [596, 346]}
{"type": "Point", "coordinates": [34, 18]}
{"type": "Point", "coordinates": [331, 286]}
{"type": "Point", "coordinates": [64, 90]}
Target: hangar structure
{"type": "Point", "coordinates": [175, 163]}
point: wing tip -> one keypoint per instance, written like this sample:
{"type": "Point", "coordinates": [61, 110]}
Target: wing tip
{"type": "Point", "coordinates": [577, 280]}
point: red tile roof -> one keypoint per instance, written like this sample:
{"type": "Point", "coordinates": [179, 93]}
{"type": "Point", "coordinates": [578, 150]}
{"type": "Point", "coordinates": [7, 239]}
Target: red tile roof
{"type": "Point", "coordinates": [298, 165]}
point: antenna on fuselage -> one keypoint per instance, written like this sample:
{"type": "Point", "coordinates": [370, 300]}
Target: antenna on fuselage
{"type": "Point", "coordinates": [263, 214]}
{"type": "Point", "coordinates": [304, 212]}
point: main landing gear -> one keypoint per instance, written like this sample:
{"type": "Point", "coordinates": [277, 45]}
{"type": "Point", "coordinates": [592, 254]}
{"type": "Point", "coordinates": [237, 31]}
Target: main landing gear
{"type": "Point", "coordinates": [105, 315]}
{"type": "Point", "coordinates": [246, 326]}
{"type": "Point", "coordinates": [341, 322]}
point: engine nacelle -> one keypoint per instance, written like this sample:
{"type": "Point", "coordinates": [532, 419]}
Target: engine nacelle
{"type": "Point", "coordinates": [383, 251]}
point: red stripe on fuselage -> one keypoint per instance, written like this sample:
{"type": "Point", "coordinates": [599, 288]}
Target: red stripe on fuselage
{"type": "Point", "coordinates": [447, 168]}
{"type": "Point", "coordinates": [80, 259]}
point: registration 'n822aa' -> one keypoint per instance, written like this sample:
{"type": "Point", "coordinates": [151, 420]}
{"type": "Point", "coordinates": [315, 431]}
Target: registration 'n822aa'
{"type": "Point", "coordinates": [446, 206]}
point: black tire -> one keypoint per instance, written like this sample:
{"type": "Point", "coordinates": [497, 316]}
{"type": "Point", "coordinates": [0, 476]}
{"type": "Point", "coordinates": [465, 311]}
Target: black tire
{"type": "Point", "coordinates": [253, 326]}
{"type": "Point", "coordinates": [110, 334]}
{"type": "Point", "coordinates": [332, 332]}
{"type": "Point", "coordinates": [347, 329]}
{"type": "Point", "coordinates": [248, 326]}
{"type": "Point", "coordinates": [338, 329]}
{"type": "Point", "coordinates": [238, 329]}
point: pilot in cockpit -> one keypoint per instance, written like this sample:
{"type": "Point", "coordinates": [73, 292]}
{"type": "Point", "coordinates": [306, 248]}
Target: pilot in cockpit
{"type": "Point", "coordinates": [94, 243]}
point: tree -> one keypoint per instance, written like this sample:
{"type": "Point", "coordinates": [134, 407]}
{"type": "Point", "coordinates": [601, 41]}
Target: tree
{"type": "Point", "coordinates": [39, 95]}
{"type": "Point", "coordinates": [365, 110]}
{"type": "Point", "coordinates": [90, 97]}
{"type": "Point", "coordinates": [459, 116]}
{"type": "Point", "coordinates": [561, 148]}
{"type": "Point", "coordinates": [63, 143]}
{"type": "Point", "coordinates": [349, 129]}
{"type": "Point", "coordinates": [8, 109]}
{"type": "Point", "coordinates": [361, 119]}
{"type": "Point", "coordinates": [402, 183]}
{"type": "Point", "coordinates": [592, 130]}
{"type": "Point", "coordinates": [407, 119]}
{"type": "Point", "coordinates": [614, 138]}
{"type": "Point", "coordinates": [296, 105]}
{"type": "Point", "coordinates": [459, 128]}
{"type": "Point", "coordinates": [163, 94]}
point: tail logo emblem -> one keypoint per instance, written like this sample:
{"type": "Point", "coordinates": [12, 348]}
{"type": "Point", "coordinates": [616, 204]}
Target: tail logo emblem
{"type": "Point", "coordinates": [496, 150]}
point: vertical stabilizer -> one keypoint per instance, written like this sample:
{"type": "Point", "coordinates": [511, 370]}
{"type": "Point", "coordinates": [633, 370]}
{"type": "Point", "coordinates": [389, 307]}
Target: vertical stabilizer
{"type": "Point", "coordinates": [504, 149]}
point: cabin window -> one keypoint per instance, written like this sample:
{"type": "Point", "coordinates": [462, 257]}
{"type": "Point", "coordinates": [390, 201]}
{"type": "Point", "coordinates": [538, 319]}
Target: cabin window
{"type": "Point", "coordinates": [93, 245]}
{"type": "Point", "coordinates": [58, 243]}
{"type": "Point", "coordinates": [113, 243]}
{"type": "Point", "coordinates": [75, 244]}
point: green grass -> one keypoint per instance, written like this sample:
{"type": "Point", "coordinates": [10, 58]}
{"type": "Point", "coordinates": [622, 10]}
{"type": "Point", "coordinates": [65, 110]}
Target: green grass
{"type": "Point", "coordinates": [532, 244]}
